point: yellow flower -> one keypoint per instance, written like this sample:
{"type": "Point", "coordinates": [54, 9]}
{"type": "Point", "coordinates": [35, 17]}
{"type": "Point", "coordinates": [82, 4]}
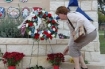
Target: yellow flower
{"type": "Point", "coordinates": [71, 60]}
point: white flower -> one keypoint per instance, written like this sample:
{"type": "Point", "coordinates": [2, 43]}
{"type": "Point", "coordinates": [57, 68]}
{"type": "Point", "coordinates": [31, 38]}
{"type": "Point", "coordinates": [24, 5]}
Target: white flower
{"type": "Point", "coordinates": [36, 13]}
{"type": "Point", "coordinates": [43, 11]}
{"type": "Point", "coordinates": [53, 29]}
{"type": "Point", "coordinates": [29, 18]}
{"type": "Point", "coordinates": [55, 20]}
{"type": "Point", "coordinates": [41, 35]}
{"type": "Point", "coordinates": [53, 35]}
{"type": "Point", "coordinates": [29, 32]}
{"type": "Point", "coordinates": [27, 25]}
{"type": "Point", "coordinates": [35, 31]}
{"type": "Point", "coordinates": [34, 24]}
{"type": "Point", "coordinates": [49, 32]}
{"type": "Point", "coordinates": [31, 14]}
{"type": "Point", "coordinates": [42, 31]}
{"type": "Point", "coordinates": [49, 25]}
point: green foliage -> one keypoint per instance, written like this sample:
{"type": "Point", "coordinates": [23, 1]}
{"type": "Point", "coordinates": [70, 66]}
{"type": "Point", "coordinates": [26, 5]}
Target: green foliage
{"type": "Point", "coordinates": [101, 3]}
{"type": "Point", "coordinates": [102, 44]}
{"type": "Point", "coordinates": [86, 62]}
{"type": "Point", "coordinates": [101, 17]}
{"type": "Point", "coordinates": [8, 28]}
{"type": "Point", "coordinates": [1, 54]}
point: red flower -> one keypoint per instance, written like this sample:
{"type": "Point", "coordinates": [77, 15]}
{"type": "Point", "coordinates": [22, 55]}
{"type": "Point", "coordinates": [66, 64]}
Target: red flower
{"type": "Point", "coordinates": [4, 61]}
{"type": "Point", "coordinates": [48, 35]}
{"type": "Point", "coordinates": [53, 21]}
{"type": "Point", "coordinates": [30, 24]}
{"type": "Point", "coordinates": [55, 58]}
{"type": "Point", "coordinates": [53, 27]}
{"type": "Point", "coordinates": [49, 15]}
{"type": "Point", "coordinates": [26, 21]}
{"type": "Point", "coordinates": [40, 12]}
{"type": "Point", "coordinates": [34, 17]}
{"type": "Point", "coordinates": [12, 58]}
{"type": "Point", "coordinates": [42, 38]}
{"type": "Point", "coordinates": [44, 16]}
{"type": "Point", "coordinates": [0, 14]}
{"type": "Point", "coordinates": [48, 21]}
{"type": "Point", "coordinates": [36, 36]}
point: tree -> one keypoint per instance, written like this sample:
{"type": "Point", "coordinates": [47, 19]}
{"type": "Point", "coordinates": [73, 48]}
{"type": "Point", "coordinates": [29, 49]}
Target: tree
{"type": "Point", "coordinates": [101, 3]}
{"type": "Point", "coordinates": [101, 18]}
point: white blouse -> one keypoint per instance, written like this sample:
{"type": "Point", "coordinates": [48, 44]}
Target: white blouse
{"type": "Point", "coordinates": [77, 19]}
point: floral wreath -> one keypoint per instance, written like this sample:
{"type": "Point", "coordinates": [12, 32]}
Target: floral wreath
{"type": "Point", "coordinates": [32, 24]}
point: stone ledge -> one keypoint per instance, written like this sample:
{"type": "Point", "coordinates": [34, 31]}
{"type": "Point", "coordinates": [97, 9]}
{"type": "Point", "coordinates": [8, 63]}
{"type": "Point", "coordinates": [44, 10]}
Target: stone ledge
{"type": "Point", "coordinates": [68, 65]}
{"type": "Point", "coordinates": [29, 41]}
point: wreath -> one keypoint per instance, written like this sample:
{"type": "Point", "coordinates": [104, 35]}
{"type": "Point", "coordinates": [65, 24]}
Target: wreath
{"type": "Point", "coordinates": [40, 25]}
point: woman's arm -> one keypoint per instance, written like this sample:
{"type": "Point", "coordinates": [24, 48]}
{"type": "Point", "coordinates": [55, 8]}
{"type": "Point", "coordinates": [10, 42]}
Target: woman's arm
{"type": "Point", "coordinates": [66, 50]}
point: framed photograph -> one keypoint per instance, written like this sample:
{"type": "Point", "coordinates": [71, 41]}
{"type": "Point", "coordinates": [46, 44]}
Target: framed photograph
{"type": "Point", "coordinates": [8, 1]}
{"type": "Point", "coordinates": [13, 12]}
{"type": "Point", "coordinates": [2, 12]}
{"type": "Point", "coordinates": [23, 1]}
{"type": "Point", "coordinates": [25, 12]}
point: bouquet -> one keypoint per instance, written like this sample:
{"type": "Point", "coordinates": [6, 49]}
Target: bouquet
{"type": "Point", "coordinates": [55, 58]}
{"type": "Point", "coordinates": [12, 58]}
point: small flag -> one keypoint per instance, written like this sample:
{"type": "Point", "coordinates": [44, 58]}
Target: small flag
{"type": "Point", "coordinates": [73, 3]}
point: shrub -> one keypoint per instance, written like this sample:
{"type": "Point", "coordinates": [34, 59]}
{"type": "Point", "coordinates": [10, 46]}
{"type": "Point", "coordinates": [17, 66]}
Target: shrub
{"type": "Point", "coordinates": [8, 28]}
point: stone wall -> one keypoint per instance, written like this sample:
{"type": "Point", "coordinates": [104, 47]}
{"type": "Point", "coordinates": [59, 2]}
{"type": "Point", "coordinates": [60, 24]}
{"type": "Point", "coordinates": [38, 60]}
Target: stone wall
{"type": "Point", "coordinates": [30, 47]}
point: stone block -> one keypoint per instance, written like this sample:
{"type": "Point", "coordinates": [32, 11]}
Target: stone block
{"type": "Point", "coordinates": [13, 41]}
{"type": "Point", "coordinates": [33, 61]}
{"type": "Point", "coordinates": [64, 32]}
{"type": "Point", "coordinates": [94, 5]}
{"type": "Point", "coordinates": [2, 66]}
{"type": "Point", "coordinates": [93, 15]}
{"type": "Point", "coordinates": [65, 26]}
{"type": "Point", "coordinates": [96, 24]}
{"type": "Point", "coordinates": [97, 46]}
{"type": "Point", "coordinates": [39, 49]}
{"type": "Point", "coordinates": [92, 56]}
{"type": "Point", "coordinates": [61, 24]}
{"type": "Point", "coordinates": [55, 4]}
{"type": "Point", "coordinates": [56, 48]}
{"type": "Point", "coordinates": [89, 47]}
{"type": "Point", "coordinates": [26, 49]}
{"type": "Point", "coordinates": [62, 41]}
{"type": "Point", "coordinates": [53, 41]}
{"type": "Point", "coordinates": [66, 3]}
{"type": "Point", "coordinates": [3, 48]}
{"type": "Point", "coordinates": [86, 5]}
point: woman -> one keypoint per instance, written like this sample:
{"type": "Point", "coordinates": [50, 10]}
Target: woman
{"type": "Point", "coordinates": [77, 19]}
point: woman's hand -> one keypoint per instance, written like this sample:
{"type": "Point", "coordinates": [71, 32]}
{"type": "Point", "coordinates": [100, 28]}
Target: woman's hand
{"type": "Point", "coordinates": [66, 50]}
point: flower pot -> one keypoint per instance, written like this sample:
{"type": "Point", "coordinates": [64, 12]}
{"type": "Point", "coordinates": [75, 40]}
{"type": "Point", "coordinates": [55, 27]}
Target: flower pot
{"type": "Point", "coordinates": [11, 67]}
{"type": "Point", "coordinates": [55, 67]}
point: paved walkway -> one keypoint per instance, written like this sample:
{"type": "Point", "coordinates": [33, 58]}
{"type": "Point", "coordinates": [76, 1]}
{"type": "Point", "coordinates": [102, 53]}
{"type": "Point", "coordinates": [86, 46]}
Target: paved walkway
{"type": "Point", "coordinates": [91, 65]}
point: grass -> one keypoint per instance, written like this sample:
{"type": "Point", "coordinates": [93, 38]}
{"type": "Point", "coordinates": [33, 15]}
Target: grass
{"type": "Point", "coordinates": [101, 32]}
{"type": "Point", "coordinates": [102, 42]}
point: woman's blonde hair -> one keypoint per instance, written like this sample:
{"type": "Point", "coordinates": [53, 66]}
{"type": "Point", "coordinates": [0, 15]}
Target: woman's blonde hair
{"type": "Point", "coordinates": [62, 10]}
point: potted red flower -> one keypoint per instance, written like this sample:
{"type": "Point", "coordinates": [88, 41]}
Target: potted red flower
{"type": "Point", "coordinates": [12, 59]}
{"type": "Point", "coordinates": [55, 59]}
